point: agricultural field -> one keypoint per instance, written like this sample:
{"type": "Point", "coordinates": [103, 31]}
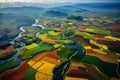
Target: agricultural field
{"type": "Point", "coordinates": [72, 41]}
{"type": "Point", "coordinates": [32, 49]}
{"type": "Point", "coordinates": [7, 65]}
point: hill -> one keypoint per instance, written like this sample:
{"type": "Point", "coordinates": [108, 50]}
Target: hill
{"type": "Point", "coordinates": [55, 14]}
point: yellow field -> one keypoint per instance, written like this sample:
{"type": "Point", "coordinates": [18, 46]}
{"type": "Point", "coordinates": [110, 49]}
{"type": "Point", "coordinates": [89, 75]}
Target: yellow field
{"type": "Point", "coordinates": [31, 62]}
{"type": "Point", "coordinates": [98, 51]}
{"type": "Point", "coordinates": [46, 68]}
{"type": "Point", "coordinates": [53, 33]}
{"type": "Point", "coordinates": [44, 37]}
{"type": "Point", "coordinates": [51, 60]}
{"type": "Point", "coordinates": [112, 38]}
{"type": "Point", "coordinates": [87, 47]}
{"type": "Point", "coordinates": [42, 76]}
{"type": "Point", "coordinates": [72, 78]}
{"type": "Point", "coordinates": [37, 65]}
{"type": "Point", "coordinates": [58, 45]}
{"type": "Point", "coordinates": [31, 46]}
{"type": "Point", "coordinates": [99, 45]}
{"type": "Point", "coordinates": [66, 41]}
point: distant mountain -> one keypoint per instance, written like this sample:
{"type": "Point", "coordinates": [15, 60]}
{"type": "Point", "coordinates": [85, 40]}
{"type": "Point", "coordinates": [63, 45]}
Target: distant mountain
{"type": "Point", "coordinates": [19, 20]}
{"type": "Point", "coordinates": [55, 14]}
{"type": "Point", "coordinates": [26, 10]}
{"type": "Point", "coordinates": [10, 24]}
{"type": "Point", "coordinates": [78, 18]}
{"type": "Point", "coordinates": [107, 6]}
{"type": "Point", "coordinates": [68, 8]}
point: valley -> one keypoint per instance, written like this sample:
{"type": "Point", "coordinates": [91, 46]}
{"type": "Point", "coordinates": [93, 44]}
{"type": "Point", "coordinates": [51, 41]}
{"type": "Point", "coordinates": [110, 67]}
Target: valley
{"type": "Point", "coordinates": [71, 42]}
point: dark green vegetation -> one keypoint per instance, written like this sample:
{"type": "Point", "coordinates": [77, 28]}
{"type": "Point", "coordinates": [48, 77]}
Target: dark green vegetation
{"type": "Point", "coordinates": [7, 65]}
{"type": "Point", "coordinates": [72, 54]}
{"type": "Point", "coordinates": [32, 49]}
{"type": "Point", "coordinates": [30, 74]}
{"type": "Point", "coordinates": [114, 50]}
{"type": "Point", "coordinates": [108, 69]}
{"type": "Point", "coordinates": [64, 53]}
{"type": "Point", "coordinates": [55, 14]}
{"type": "Point", "coordinates": [79, 18]}
{"type": "Point", "coordinates": [69, 33]}
{"type": "Point", "coordinates": [46, 30]}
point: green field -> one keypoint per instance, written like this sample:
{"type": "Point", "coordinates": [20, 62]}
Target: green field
{"type": "Point", "coordinates": [69, 33]}
{"type": "Point", "coordinates": [7, 65]}
{"type": "Point", "coordinates": [30, 74]}
{"type": "Point", "coordinates": [66, 41]}
{"type": "Point", "coordinates": [64, 53]}
{"type": "Point", "coordinates": [98, 31]}
{"type": "Point", "coordinates": [108, 69]}
{"type": "Point", "coordinates": [86, 35]}
{"type": "Point", "coordinates": [46, 30]}
{"type": "Point", "coordinates": [54, 35]}
{"type": "Point", "coordinates": [32, 49]}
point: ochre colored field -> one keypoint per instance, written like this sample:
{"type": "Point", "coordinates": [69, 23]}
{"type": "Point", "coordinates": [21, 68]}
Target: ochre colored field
{"type": "Point", "coordinates": [46, 68]}
{"type": "Point", "coordinates": [73, 78]}
{"type": "Point", "coordinates": [49, 41]}
{"type": "Point", "coordinates": [7, 52]}
{"type": "Point", "coordinates": [53, 54]}
{"type": "Point", "coordinates": [51, 60]}
{"type": "Point", "coordinates": [41, 76]}
{"type": "Point", "coordinates": [39, 57]}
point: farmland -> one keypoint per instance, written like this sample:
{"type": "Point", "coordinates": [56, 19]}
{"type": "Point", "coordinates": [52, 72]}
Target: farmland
{"type": "Point", "coordinates": [30, 50]}
{"type": "Point", "coordinates": [60, 42]}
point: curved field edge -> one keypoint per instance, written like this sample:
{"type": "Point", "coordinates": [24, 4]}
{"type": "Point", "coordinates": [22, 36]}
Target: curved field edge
{"type": "Point", "coordinates": [109, 69]}
{"type": "Point", "coordinates": [30, 74]}
{"type": "Point", "coordinates": [32, 49]}
{"type": "Point", "coordinates": [7, 65]}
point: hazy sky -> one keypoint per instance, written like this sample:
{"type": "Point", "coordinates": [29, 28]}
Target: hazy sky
{"type": "Point", "coordinates": [54, 1]}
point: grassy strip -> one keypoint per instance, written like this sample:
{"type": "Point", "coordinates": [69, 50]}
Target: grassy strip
{"type": "Point", "coordinates": [7, 65]}
{"type": "Point", "coordinates": [108, 69]}
{"type": "Point", "coordinates": [86, 35]}
{"type": "Point", "coordinates": [30, 74]}
{"type": "Point", "coordinates": [98, 31]}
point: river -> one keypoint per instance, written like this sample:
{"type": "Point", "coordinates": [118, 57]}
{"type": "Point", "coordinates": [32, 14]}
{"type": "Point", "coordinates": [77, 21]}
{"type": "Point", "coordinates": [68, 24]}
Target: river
{"type": "Point", "coordinates": [18, 60]}
{"type": "Point", "coordinates": [13, 42]}
{"type": "Point", "coordinates": [60, 71]}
